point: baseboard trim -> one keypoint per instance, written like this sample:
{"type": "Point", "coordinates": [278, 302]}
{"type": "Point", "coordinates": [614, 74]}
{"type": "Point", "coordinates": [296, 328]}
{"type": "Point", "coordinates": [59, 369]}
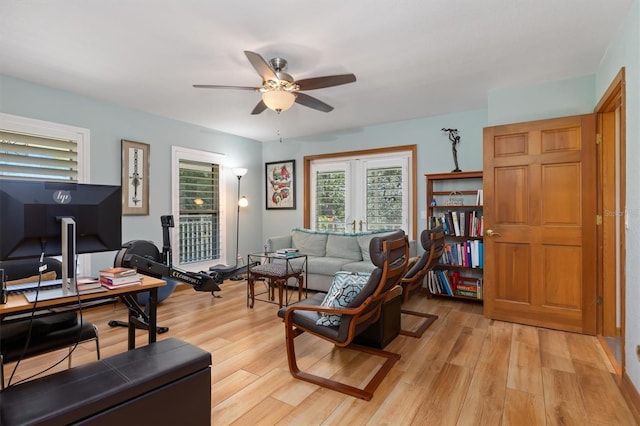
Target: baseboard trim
{"type": "Point", "coordinates": [610, 356]}
{"type": "Point", "coordinates": [631, 395]}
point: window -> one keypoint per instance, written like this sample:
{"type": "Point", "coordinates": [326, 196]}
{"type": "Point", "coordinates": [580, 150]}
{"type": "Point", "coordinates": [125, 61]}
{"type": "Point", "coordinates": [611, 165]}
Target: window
{"type": "Point", "coordinates": [199, 218]}
{"type": "Point", "coordinates": [40, 150]}
{"type": "Point", "coordinates": [361, 192]}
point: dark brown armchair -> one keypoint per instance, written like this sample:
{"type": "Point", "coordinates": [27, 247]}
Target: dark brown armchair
{"type": "Point", "coordinates": [433, 243]}
{"type": "Point", "coordinates": [390, 255]}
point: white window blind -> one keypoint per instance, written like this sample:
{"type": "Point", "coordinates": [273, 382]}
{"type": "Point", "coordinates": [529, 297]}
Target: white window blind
{"type": "Point", "coordinates": [330, 199]}
{"type": "Point", "coordinates": [30, 157]}
{"type": "Point", "coordinates": [386, 198]}
{"type": "Point", "coordinates": [199, 220]}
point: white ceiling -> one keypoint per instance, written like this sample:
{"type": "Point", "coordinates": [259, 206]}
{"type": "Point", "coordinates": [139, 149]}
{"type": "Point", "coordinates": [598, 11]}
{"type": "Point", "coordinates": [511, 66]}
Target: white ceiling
{"type": "Point", "coordinates": [412, 58]}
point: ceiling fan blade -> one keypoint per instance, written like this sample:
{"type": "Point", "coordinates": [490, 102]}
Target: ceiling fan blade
{"type": "Point", "coordinates": [215, 86]}
{"type": "Point", "coordinates": [311, 102]}
{"type": "Point", "coordinates": [261, 106]}
{"type": "Point", "coordinates": [261, 66]}
{"type": "Point", "coordinates": [327, 81]}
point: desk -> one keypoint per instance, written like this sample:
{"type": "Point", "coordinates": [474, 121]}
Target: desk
{"type": "Point", "coordinates": [277, 270]}
{"type": "Point", "coordinates": [18, 304]}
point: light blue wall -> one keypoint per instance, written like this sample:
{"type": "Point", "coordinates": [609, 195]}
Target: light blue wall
{"type": "Point", "coordinates": [109, 124]}
{"type": "Point", "coordinates": [625, 52]}
{"type": "Point", "coordinates": [547, 100]}
{"type": "Point", "coordinates": [433, 152]}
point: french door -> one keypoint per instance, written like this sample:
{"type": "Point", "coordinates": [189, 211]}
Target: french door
{"type": "Point", "coordinates": [354, 194]}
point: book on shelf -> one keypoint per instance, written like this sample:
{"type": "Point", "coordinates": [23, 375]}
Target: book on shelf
{"type": "Point", "coordinates": [467, 287]}
{"type": "Point", "coordinates": [117, 272]}
{"type": "Point", "coordinates": [456, 224]}
{"type": "Point", "coordinates": [466, 293]}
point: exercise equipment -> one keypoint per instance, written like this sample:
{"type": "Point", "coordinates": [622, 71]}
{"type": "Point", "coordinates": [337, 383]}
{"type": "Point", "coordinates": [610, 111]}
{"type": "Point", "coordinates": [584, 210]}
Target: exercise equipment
{"type": "Point", "coordinates": [145, 257]}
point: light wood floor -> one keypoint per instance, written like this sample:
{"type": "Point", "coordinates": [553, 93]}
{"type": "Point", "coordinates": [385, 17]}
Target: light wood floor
{"type": "Point", "coordinates": [466, 370]}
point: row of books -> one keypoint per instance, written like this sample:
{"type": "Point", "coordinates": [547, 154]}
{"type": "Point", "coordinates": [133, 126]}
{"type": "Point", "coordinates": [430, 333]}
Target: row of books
{"type": "Point", "coordinates": [453, 284]}
{"type": "Point", "coordinates": [117, 277]}
{"type": "Point", "coordinates": [459, 223]}
{"type": "Point", "coordinates": [468, 254]}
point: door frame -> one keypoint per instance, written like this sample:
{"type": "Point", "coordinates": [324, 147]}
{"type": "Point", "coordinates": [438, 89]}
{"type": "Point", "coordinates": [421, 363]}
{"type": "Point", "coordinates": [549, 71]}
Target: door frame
{"type": "Point", "coordinates": [607, 163]}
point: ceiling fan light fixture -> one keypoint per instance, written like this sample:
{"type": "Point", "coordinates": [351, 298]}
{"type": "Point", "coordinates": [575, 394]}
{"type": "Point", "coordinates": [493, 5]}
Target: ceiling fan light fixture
{"type": "Point", "coordinates": [278, 100]}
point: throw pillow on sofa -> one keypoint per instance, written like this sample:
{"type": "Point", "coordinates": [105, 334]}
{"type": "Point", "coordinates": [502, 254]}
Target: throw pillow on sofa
{"type": "Point", "coordinates": [344, 288]}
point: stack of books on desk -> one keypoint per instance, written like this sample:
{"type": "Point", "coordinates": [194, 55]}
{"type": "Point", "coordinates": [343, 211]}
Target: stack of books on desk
{"type": "Point", "coordinates": [287, 252]}
{"type": "Point", "coordinates": [119, 277]}
{"type": "Point", "coordinates": [88, 285]}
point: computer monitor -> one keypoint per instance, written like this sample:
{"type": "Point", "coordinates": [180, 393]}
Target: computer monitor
{"type": "Point", "coordinates": [58, 218]}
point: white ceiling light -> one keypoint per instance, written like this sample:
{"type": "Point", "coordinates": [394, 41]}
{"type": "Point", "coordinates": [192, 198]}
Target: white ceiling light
{"type": "Point", "coordinates": [278, 100]}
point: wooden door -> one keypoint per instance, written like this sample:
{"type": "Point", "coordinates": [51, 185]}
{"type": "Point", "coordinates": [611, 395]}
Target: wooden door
{"type": "Point", "coordinates": [540, 223]}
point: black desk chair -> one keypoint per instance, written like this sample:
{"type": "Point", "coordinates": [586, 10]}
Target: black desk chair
{"type": "Point", "coordinates": [49, 331]}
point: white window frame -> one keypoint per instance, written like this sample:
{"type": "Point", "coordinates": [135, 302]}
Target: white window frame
{"type": "Point", "coordinates": [51, 130]}
{"type": "Point", "coordinates": [180, 153]}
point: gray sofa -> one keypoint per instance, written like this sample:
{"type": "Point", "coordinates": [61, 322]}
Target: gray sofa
{"type": "Point", "coordinates": [329, 252]}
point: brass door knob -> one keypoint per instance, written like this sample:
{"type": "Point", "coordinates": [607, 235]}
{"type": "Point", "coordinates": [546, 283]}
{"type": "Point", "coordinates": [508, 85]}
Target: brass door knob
{"type": "Point", "coordinates": [490, 233]}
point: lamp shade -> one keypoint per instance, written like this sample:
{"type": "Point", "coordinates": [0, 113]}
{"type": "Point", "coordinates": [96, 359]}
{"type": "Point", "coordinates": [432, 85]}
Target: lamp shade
{"type": "Point", "coordinates": [239, 171]}
{"type": "Point", "coordinates": [278, 100]}
{"type": "Point", "coordinates": [243, 202]}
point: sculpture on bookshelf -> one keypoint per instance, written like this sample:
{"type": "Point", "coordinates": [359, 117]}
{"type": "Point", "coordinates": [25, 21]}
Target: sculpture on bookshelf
{"type": "Point", "coordinates": [455, 140]}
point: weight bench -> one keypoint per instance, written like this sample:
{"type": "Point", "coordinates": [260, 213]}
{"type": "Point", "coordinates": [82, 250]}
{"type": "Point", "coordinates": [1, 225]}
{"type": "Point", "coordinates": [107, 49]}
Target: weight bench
{"type": "Point", "coordinates": [167, 382]}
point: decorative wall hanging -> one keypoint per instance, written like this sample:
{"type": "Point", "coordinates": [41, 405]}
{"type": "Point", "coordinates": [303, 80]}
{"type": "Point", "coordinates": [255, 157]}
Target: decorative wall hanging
{"type": "Point", "coordinates": [281, 185]}
{"type": "Point", "coordinates": [135, 178]}
{"type": "Point", "coordinates": [455, 140]}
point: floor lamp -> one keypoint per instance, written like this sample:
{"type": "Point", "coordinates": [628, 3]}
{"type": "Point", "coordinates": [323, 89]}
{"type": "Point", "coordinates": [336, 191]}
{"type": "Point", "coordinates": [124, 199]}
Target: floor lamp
{"type": "Point", "coordinates": [241, 202]}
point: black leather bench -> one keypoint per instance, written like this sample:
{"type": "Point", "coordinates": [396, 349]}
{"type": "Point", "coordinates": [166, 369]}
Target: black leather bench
{"type": "Point", "coordinates": [167, 382]}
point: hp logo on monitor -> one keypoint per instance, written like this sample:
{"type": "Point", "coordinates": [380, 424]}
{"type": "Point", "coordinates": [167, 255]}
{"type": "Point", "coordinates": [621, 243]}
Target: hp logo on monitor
{"type": "Point", "coordinates": [62, 197]}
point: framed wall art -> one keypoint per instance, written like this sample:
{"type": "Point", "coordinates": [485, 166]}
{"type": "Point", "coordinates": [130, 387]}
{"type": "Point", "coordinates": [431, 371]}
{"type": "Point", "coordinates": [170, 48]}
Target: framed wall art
{"type": "Point", "coordinates": [135, 178]}
{"type": "Point", "coordinates": [281, 185]}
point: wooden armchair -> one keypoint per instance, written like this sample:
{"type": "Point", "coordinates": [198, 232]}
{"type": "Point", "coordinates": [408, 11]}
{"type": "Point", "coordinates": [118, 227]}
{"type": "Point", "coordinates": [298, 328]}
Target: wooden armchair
{"type": "Point", "coordinates": [433, 243]}
{"type": "Point", "coordinates": [390, 255]}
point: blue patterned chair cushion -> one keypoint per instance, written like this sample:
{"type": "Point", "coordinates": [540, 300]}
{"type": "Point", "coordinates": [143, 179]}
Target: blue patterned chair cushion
{"type": "Point", "coordinates": [344, 288]}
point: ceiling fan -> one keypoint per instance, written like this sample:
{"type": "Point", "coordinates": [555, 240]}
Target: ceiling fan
{"type": "Point", "coordinates": [279, 90]}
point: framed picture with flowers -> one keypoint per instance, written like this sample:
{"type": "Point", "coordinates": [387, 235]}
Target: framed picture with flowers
{"type": "Point", "coordinates": [280, 178]}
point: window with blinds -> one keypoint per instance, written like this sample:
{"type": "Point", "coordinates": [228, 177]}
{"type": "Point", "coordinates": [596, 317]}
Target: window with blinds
{"type": "Point", "coordinates": [330, 200]}
{"type": "Point", "coordinates": [364, 193]}
{"type": "Point", "coordinates": [29, 157]}
{"type": "Point", "coordinates": [199, 211]}
{"type": "Point", "coordinates": [385, 198]}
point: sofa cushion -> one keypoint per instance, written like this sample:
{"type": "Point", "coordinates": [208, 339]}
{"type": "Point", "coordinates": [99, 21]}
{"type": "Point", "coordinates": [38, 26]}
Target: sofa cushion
{"type": "Point", "coordinates": [343, 246]}
{"type": "Point", "coordinates": [325, 265]}
{"type": "Point", "coordinates": [309, 243]}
